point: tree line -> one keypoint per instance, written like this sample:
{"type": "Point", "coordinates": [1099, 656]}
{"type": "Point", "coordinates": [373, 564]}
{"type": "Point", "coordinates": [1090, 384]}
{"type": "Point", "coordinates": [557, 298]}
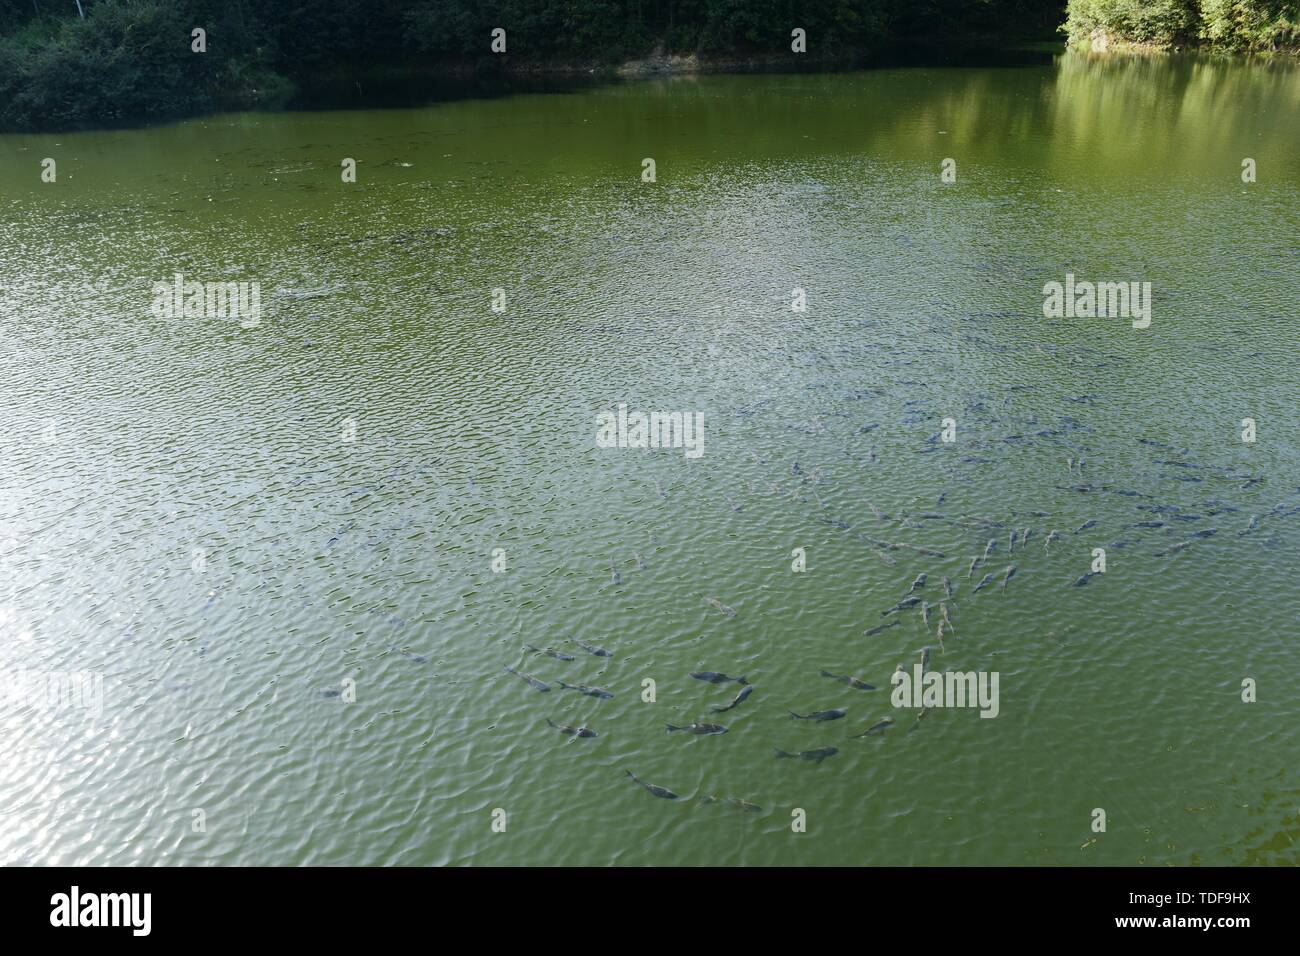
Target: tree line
{"type": "Point", "coordinates": [71, 63]}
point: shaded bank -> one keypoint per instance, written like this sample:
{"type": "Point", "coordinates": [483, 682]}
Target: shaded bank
{"type": "Point", "coordinates": [372, 85]}
{"type": "Point", "coordinates": [131, 62]}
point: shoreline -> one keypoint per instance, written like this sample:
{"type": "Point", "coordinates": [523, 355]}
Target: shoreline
{"type": "Point", "coordinates": [412, 84]}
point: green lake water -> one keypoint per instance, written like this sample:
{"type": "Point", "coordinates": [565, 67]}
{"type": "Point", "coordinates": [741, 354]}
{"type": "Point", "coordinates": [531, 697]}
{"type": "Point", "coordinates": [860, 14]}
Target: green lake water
{"type": "Point", "coordinates": [181, 517]}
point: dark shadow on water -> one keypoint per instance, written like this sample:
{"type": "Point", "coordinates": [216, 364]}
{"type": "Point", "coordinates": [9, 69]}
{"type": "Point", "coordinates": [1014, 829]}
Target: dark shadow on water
{"type": "Point", "coordinates": [396, 86]}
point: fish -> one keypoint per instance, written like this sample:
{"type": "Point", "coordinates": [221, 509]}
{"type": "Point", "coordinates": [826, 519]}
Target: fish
{"type": "Point", "coordinates": [1010, 573]}
{"type": "Point", "coordinates": [591, 649]}
{"type": "Point", "coordinates": [572, 731]}
{"type": "Point", "coordinates": [819, 715]}
{"type": "Point", "coordinates": [714, 677]}
{"type": "Point", "coordinates": [1147, 524]}
{"type": "Point", "coordinates": [714, 602]}
{"type": "Point", "coordinates": [873, 631]}
{"type": "Point", "coordinates": [551, 652]}
{"type": "Point", "coordinates": [1205, 532]}
{"type": "Point", "coordinates": [938, 633]}
{"type": "Point", "coordinates": [532, 681]}
{"type": "Point", "coordinates": [947, 587]}
{"type": "Point", "coordinates": [984, 582]}
{"type": "Point", "coordinates": [1024, 536]}
{"type": "Point", "coordinates": [902, 605]}
{"type": "Point", "coordinates": [818, 755]}
{"type": "Point", "coordinates": [879, 727]}
{"type": "Point", "coordinates": [1172, 550]}
{"type": "Point", "coordinates": [853, 682]}
{"type": "Point", "coordinates": [916, 723]}
{"type": "Point", "coordinates": [917, 584]}
{"type": "Point", "coordinates": [589, 691]}
{"type": "Point", "coordinates": [1052, 536]}
{"type": "Point", "coordinates": [1252, 526]}
{"type": "Point", "coordinates": [989, 548]}
{"type": "Point", "coordinates": [925, 659]}
{"type": "Point", "coordinates": [943, 609]}
{"type": "Point", "coordinates": [1086, 525]}
{"type": "Point", "coordinates": [699, 728]}
{"type": "Point", "coordinates": [744, 692]}
{"type": "Point", "coordinates": [734, 802]}
{"type": "Point", "coordinates": [1011, 545]}
{"type": "Point", "coordinates": [658, 791]}
{"type": "Point", "coordinates": [925, 613]}
{"type": "Point", "coordinates": [1085, 578]}
{"type": "Point", "coordinates": [971, 570]}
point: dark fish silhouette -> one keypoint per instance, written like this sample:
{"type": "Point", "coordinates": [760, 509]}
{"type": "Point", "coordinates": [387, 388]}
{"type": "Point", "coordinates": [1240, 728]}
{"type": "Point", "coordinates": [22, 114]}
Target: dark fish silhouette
{"type": "Point", "coordinates": [984, 582]}
{"type": "Point", "coordinates": [818, 755]}
{"type": "Point", "coordinates": [699, 728]}
{"type": "Point", "coordinates": [851, 681]}
{"type": "Point", "coordinates": [532, 681]}
{"type": "Point", "coordinates": [879, 727]}
{"type": "Point", "coordinates": [572, 731]}
{"type": "Point", "coordinates": [947, 586]}
{"type": "Point", "coordinates": [656, 790]}
{"type": "Point", "coordinates": [591, 649]}
{"type": "Point", "coordinates": [917, 584]}
{"type": "Point", "coordinates": [1010, 573]}
{"type": "Point", "coordinates": [902, 605]}
{"type": "Point", "coordinates": [1085, 578]}
{"type": "Point", "coordinates": [1205, 532]}
{"type": "Point", "coordinates": [589, 691]}
{"type": "Point", "coordinates": [714, 677]}
{"type": "Point", "coordinates": [744, 692]}
{"type": "Point", "coordinates": [873, 631]}
{"type": "Point", "coordinates": [714, 602]}
{"type": "Point", "coordinates": [1172, 550]}
{"type": "Point", "coordinates": [1086, 525]}
{"type": "Point", "coordinates": [819, 715]}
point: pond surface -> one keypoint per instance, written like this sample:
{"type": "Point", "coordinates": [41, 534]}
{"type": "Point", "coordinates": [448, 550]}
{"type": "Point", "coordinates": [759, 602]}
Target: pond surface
{"type": "Point", "coordinates": [222, 525]}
